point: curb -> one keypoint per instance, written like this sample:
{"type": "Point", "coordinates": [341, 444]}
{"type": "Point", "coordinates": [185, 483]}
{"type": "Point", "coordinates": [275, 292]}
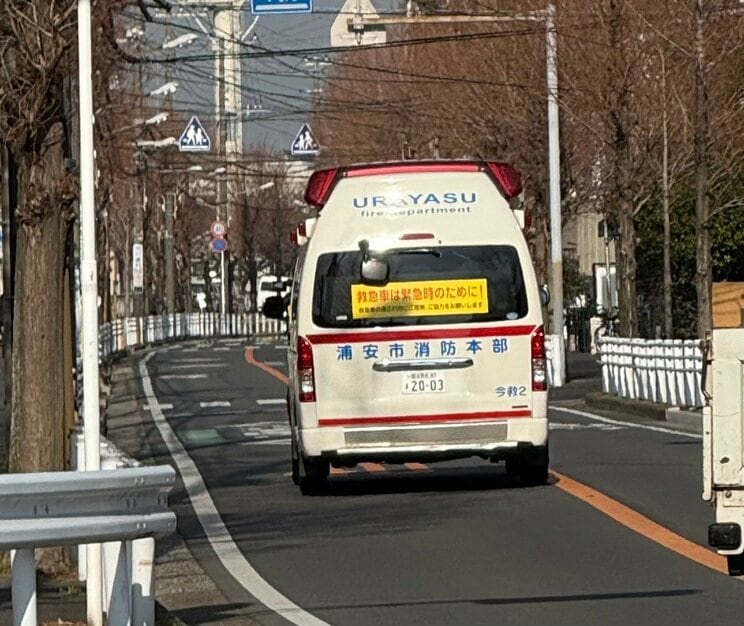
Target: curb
{"type": "Point", "coordinates": [164, 618]}
{"type": "Point", "coordinates": [637, 408]}
{"type": "Point", "coordinates": [688, 419]}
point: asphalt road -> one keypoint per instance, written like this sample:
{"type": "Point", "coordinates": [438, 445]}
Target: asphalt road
{"type": "Point", "coordinates": [450, 543]}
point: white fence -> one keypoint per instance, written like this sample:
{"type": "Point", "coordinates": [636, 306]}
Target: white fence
{"type": "Point", "coordinates": [132, 332]}
{"type": "Point", "coordinates": [664, 371]}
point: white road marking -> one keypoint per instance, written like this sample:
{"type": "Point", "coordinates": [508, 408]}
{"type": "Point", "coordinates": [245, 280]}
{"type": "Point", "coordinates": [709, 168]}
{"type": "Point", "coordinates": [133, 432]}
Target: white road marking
{"type": "Point", "coordinates": [214, 527]}
{"type": "Point", "coordinates": [199, 360]}
{"type": "Point", "coordinates": [269, 442]}
{"type": "Point", "coordinates": [190, 349]}
{"type": "Point", "coordinates": [181, 376]}
{"type": "Point", "coordinates": [276, 363]}
{"type": "Point", "coordinates": [607, 420]}
{"type": "Point", "coordinates": [271, 401]}
{"type": "Point", "coordinates": [222, 349]}
{"type": "Point", "coordinates": [261, 431]}
{"type": "Point", "coordinates": [191, 366]}
{"type": "Point", "coordinates": [569, 426]}
{"type": "Point", "coordinates": [281, 346]}
{"type": "Point", "coordinates": [165, 407]}
{"type": "Point", "coordinates": [214, 404]}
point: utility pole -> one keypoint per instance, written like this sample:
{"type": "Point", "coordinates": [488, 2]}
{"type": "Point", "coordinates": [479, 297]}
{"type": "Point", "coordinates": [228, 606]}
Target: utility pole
{"type": "Point", "coordinates": [228, 98]}
{"type": "Point", "coordinates": [170, 292]}
{"type": "Point", "coordinates": [89, 288]}
{"type": "Point", "coordinates": [361, 23]}
{"type": "Point", "coordinates": [556, 225]}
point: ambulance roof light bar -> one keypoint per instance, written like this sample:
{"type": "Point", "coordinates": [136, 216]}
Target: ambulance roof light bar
{"type": "Point", "coordinates": [321, 182]}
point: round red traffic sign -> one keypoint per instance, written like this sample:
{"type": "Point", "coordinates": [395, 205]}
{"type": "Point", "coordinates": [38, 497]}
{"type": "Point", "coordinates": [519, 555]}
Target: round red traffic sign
{"type": "Point", "coordinates": [218, 244]}
{"type": "Point", "coordinates": [219, 229]}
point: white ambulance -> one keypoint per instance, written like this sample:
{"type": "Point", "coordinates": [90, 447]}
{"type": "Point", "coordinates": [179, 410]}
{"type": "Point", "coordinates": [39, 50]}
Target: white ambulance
{"type": "Point", "coordinates": [416, 329]}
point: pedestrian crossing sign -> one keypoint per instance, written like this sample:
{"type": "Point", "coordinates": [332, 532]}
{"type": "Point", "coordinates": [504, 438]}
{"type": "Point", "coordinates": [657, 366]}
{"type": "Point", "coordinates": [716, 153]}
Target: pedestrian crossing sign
{"type": "Point", "coordinates": [194, 137]}
{"type": "Point", "coordinates": [304, 143]}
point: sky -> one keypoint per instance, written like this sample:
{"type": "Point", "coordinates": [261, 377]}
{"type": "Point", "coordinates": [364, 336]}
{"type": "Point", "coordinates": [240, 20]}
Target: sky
{"type": "Point", "coordinates": [277, 88]}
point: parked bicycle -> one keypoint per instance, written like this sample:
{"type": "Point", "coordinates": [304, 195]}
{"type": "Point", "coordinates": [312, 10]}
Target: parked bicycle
{"type": "Point", "coordinates": [610, 323]}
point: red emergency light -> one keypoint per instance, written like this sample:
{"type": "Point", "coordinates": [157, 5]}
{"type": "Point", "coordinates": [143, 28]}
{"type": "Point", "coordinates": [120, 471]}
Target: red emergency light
{"type": "Point", "coordinates": [322, 182]}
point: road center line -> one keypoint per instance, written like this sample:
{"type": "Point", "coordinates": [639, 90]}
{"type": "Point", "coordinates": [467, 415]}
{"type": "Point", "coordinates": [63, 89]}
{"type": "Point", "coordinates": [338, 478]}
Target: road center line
{"type": "Point", "coordinates": [630, 518]}
{"type": "Point", "coordinates": [641, 524]}
{"type": "Point", "coordinates": [214, 527]}
{"type": "Point", "coordinates": [214, 404]}
{"type": "Point", "coordinates": [250, 358]}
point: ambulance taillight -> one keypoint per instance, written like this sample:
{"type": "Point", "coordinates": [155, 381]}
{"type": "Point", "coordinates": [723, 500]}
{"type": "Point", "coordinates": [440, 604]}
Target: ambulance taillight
{"type": "Point", "coordinates": [539, 362]}
{"type": "Point", "coordinates": [305, 370]}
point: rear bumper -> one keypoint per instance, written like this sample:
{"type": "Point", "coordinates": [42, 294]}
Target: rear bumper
{"type": "Point", "coordinates": [424, 442]}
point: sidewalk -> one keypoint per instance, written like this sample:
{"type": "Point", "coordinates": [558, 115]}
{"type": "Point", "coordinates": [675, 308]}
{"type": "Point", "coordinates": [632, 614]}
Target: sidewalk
{"type": "Point", "coordinates": [60, 605]}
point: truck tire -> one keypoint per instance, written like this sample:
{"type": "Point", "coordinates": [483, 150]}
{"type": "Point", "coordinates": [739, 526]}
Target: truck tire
{"type": "Point", "coordinates": [313, 475]}
{"type": "Point", "coordinates": [735, 564]}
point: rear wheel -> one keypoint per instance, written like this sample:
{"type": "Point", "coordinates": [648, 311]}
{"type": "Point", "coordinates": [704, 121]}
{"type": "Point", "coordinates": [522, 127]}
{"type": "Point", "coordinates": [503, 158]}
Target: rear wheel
{"type": "Point", "coordinates": [313, 475]}
{"type": "Point", "coordinates": [531, 469]}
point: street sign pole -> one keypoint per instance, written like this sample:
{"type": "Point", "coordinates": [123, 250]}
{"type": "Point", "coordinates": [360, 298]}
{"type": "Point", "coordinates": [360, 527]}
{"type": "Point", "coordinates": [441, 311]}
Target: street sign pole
{"type": "Point", "coordinates": [223, 284]}
{"type": "Point", "coordinates": [170, 287]}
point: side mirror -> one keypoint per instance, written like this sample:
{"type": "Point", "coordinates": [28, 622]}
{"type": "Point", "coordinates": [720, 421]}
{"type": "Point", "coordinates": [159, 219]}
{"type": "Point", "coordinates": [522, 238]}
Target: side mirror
{"type": "Point", "coordinates": [544, 295]}
{"type": "Point", "coordinates": [274, 308]}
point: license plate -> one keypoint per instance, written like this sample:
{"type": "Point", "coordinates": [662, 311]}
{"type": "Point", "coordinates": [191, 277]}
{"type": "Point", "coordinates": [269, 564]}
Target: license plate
{"type": "Point", "coordinates": [423, 382]}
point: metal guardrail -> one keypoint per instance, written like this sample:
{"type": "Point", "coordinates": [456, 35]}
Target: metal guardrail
{"type": "Point", "coordinates": [660, 370]}
{"type": "Point", "coordinates": [133, 332]}
{"type": "Point", "coordinates": [123, 508]}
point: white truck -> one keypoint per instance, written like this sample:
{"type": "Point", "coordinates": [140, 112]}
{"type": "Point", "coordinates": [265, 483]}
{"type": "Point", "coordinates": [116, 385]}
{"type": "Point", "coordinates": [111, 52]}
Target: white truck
{"type": "Point", "coordinates": [723, 442]}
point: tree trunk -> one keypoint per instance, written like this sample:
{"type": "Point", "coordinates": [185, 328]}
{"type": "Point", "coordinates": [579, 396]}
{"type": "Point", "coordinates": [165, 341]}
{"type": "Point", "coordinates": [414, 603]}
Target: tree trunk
{"type": "Point", "coordinates": [626, 272]}
{"type": "Point", "coordinates": [703, 274]}
{"type": "Point", "coordinates": [7, 175]}
{"type": "Point", "coordinates": [622, 127]}
{"type": "Point", "coordinates": [252, 271]}
{"type": "Point", "coordinates": [668, 313]}
{"type": "Point", "coordinates": [37, 437]}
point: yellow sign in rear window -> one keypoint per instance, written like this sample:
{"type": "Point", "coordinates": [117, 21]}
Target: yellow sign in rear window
{"type": "Point", "coordinates": [431, 297]}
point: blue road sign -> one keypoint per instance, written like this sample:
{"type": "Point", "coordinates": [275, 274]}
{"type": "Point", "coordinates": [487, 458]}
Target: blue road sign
{"type": "Point", "coordinates": [194, 137]}
{"type": "Point", "coordinates": [279, 7]}
{"type": "Point", "coordinates": [218, 244]}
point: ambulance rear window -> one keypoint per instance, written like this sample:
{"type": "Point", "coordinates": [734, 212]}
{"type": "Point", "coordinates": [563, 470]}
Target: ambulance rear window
{"type": "Point", "coordinates": [442, 285]}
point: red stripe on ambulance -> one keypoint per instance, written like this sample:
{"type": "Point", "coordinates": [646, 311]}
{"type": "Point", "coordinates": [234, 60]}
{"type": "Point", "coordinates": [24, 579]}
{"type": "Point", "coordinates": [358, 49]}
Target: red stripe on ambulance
{"type": "Point", "coordinates": [411, 335]}
{"type": "Point", "coordinates": [423, 419]}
